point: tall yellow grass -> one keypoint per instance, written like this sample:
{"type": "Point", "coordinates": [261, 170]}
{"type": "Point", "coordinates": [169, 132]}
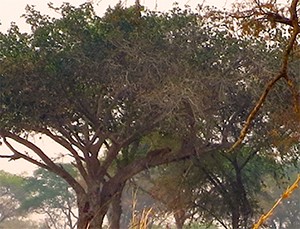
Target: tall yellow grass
{"type": "Point", "coordinates": [139, 220]}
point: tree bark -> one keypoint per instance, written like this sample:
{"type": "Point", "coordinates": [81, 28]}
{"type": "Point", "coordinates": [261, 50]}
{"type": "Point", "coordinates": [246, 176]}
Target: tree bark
{"type": "Point", "coordinates": [115, 211]}
{"type": "Point", "coordinates": [84, 214]}
{"type": "Point", "coordinates": [180, 217]}
{"type": "Point", "coordinates": [91, 219]}
{"type": "Point", "coordinates": [91, 211]}
{"type": "Point", "coordinates": [235, 218]}
{"type": "Point", "coordinates": [97, 220]}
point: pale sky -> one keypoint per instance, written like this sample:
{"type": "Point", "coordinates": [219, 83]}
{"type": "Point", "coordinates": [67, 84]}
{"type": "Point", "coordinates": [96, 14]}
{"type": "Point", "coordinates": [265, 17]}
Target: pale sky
{"type": "Point", "coordinates": [11, 10]}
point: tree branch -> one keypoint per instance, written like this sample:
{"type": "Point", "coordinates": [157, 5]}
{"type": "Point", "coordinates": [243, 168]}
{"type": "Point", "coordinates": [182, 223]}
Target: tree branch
{"type": "Point", "coordinates": [18, 155]}
{"type": "Point", "coordinates": [282, 74]}
{"type": "Point", "coordinates": [69, 147]}
{"type": "Point", "coordinates": [48, 162]}
{"type": "Point", "coordinates": [155, 158]}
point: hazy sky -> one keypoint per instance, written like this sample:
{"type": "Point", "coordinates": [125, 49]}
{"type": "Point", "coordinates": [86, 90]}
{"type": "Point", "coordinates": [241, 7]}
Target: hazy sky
{"type": "Point", "coordinates": [11, 10]}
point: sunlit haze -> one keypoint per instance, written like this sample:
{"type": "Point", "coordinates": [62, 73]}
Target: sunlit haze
{"type": "Point", "coordinates": [11, 10]}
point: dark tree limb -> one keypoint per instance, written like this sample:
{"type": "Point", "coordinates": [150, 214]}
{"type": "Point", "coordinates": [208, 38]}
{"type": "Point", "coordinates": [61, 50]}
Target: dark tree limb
{"type": "Point", "coordinates": [50, 165]}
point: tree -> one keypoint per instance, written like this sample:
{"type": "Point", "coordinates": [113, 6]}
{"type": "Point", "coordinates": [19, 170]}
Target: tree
{"type": "Point", "coordinates": [100, 86]}
{"type": "Point", "coordinates": [283, 21]}
{"type": "Point", "coordinates": [216, 188]}
{"type": "Point", "coordinates": [12, 193]}
{"type": "Point", "coordinates": [281, 24]}
{"type": "Point", "coordinates": [50, 195]}
{"type": "Point", "coordinates": [101, 82]}
{"type": "Point", "coordinates": [44, 193]}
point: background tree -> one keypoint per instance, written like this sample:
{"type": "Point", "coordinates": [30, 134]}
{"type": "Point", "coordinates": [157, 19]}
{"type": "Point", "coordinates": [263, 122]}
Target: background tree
{"type": "Point", "coordinates": [43, 193]}
{"type": "Point", "coordinates": [217, 188]}
{"type": "Point", "coordinates": [12, 193]}
{"type": "Point", "coordinates": [50, 195]}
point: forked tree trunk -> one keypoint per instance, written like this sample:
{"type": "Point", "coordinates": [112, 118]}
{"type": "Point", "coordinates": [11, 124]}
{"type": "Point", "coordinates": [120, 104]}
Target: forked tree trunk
{"type": "Point", "coordinates": [91, 220]}
{"type": "Point", "coordinates": [97, 221]}
{"type": "Point", "coordinates": [115, 211]}
{"type": "Point", "coordinates": [90, 213]}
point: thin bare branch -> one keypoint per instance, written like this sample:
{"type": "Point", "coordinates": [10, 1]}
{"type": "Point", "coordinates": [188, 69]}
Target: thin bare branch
{"type": "Point", "coordinates": [282, 74]}
{"type": "Point", "coordinates": [17, 154]}
{"type": "Point", "coordinates": [254, 111]}
{"type": "Point", "coordinates": [285, 195]}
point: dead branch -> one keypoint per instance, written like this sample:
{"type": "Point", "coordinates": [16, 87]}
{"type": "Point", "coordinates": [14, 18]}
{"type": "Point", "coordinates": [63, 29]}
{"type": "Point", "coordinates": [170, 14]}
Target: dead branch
{"type": "Point", "coordinates": [282, 74]}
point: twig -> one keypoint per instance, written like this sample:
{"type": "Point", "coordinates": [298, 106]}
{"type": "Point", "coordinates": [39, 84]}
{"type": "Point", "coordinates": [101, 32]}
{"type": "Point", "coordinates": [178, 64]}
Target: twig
{"type": "Point", "coordinates": [285, 195]}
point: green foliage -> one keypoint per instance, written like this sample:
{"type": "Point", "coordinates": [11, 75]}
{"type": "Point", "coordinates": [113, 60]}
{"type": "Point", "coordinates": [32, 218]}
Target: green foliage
{"type": "Point", "coordinates": [11, 195]}
{"type": "Point", "coordinates": [44, 193]}
{"type": "Point", "coordinates": [12, 183]}
{"type": "Point", "coordinates": [156, 140]}
{"type": "Point", "coordinates": [47, 190]}
{"type": "Point", "coordinates": [84, 58]}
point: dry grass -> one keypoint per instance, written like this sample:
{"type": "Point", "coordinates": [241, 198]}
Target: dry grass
{"type": "Point", "coordinates": [140, 220]}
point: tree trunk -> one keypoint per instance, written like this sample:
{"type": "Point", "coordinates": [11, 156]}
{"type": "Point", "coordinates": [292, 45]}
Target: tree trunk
{"type": "Point", "coordinates": [91, 220]}
{"type": "Point", "coordinates": [115, 211]}
{"type": "Point", "coordinates": [97, 221]}
{"type": "Point", "coordinates": [235, 218]}
{"type": "Point", "coordinates": [90, 212]}
{"type": "Point", "coordinates": [180, 217]}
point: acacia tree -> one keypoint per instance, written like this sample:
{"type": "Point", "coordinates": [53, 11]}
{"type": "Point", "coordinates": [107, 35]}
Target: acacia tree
{"type": "Point", "coordinates": [96, 86]}
{"type": "Point", "coordinates": [44, 193]}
